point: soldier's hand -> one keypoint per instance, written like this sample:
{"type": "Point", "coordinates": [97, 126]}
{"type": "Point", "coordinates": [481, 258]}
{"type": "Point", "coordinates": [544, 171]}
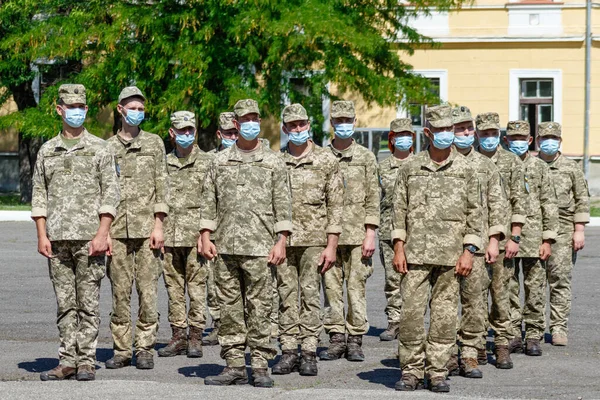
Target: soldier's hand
{"type": "Point", "coordinates": [98, 245]}
{"type": "Point", "coordinates": [512, 249]}
{"type": "Point", "coordinates": [157, 240]}
{"type": "Point", "coordinates": [368, 246]}
{"type": "Point", "coordinates": [399, 262]}
{"type": "Point", "coordinates": [492, 252]}
{"type": "Point", "coordinates": [327, 259]}
{"type": "Point", "coordinates": [578, 241]}
{"type": "Point", "coordinates": [277, 253]}
{"type": "Point", "coordinates": [545, 251]}
{"type": "Point", "coordinates": [109, 242]}
{"type": "Point", "coordinates": [464, 265]}
{"type": "Point", "coordinates": [45, 247]}
{"type": "Point", "coordinates": [209, 250]}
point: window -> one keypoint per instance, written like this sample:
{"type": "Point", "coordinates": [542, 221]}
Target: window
{"type": "Point", "coordinates": [536, 103]}
{"type": "Point", "coordinates": [372, 138]}
{"type": "Point", "coordinates": [417, 111]}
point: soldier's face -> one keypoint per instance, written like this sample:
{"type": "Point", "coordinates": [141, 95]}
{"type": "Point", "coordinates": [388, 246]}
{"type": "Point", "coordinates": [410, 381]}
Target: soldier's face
{"type": "Point", "coordinates": [231, 134]}
{"type": "Point", "coordinates": [132, 103]}
{"type": "Point", "coordinates": [188, 130]}
{"type": "Point", "coordinates": [488, 133]}
{"type": "Point", "coordinates": [464, 129]}
{"type": "Point", "coordinates": [60, 108]}
{"type": "Point", "coordinates": [510, 138]}
{"type": "Point", "coordinates": [342, 120]}
{"type": "Point", "coordinates": [541, 139]}
{"type": "Point", "coordinates": [296, 126]}
{"type": "Point", "coordinates": [431, 130]}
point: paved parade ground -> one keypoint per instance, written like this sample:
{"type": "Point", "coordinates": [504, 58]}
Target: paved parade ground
{"type": "Point", "coordinates": [29, 342]}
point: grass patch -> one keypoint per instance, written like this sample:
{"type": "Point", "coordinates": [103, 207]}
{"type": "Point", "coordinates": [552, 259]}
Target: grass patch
{"type": "Point", "coordinates": [11, 202]}
{"type": "Point", "coordinates": [595, 211]}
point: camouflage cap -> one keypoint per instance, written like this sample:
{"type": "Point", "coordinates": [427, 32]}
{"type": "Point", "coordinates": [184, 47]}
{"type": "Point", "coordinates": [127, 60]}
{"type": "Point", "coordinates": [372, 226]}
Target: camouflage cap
{"type": "Point", "coordinates": [226, 121]}
{"type": "Point", "coordinates": [246, 106]}
{"type": "Point", "coordinates": [294, 112]}
{"type": "Point", "coordinates": [183, 119]}
{"type": "Point", "coordinates": [72, 94]}
{"type": "Point", "coordinates": [439, 116]}
{"type": "Point", "coordinates": [488, 120]}
{"type": "Point", "coordinates": [549, 129]}
{"type": "Point", "coordinates": [343, 109]}
{"type": "Point", "coordinates": [402, 125]}
{"type": "Point", "coordinates": [461, 114]}
{"type": "Point", "coordinates": [517, 128]}
{"type": "Point", "coordinates": [130, 91]}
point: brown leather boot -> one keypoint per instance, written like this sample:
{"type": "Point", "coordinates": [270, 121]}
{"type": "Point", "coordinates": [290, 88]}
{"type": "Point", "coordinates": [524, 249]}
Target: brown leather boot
{"type": "Point", "coordinates": [516, 345]}
{"type": "Point", "coordinates": [261, 378]}
{"type": "Point", "coordinates": [229, 376]}
{"type": "Point", "coordinates": [287, 364]}
{"type": "Point", "coordinates": [177, 345]}
{"type": "Point", "coordinates": [482, 358]}
{"type": "Point", "coordinates": [532, 347]}
{"type": "Point", "coordinates": [438, 384]}
{"type": "Point", "coordinates": [336, 349]}
{"type": "Point", "coordinates": [409, 383]}
{"type": "Point", "coordinates": [86, 373]}
{"type": "Point", "coordinates": [194, 343]}
{"type": "Point", "coordinates": [452, 365]}
{"type": "Point", "coordinates": [503, 360]}
{"type": "Point", "coordinates": [354, 351]}
{"type": "Point", "coordinates": [212, 339]}
{"type": "Point", "coordinates": [308, 364]}
{"type": "Point", "coordinates": [58, 373]}
{"type": "Point", "coordinates": [469, 368]}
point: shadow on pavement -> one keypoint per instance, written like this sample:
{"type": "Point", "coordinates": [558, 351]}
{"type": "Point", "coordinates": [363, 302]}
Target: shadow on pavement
{"type": "Point", "coordinates": [39, 365]}
{"type": "Point", "coordinates": [548, 338]}
{"type": "Point", "coordinates": [391, 363]}
{"type": "Point", "coordinates": [383, 376]}
{"type": "Point", "coordinates": [374, 331]}
{"type": "Point", "coordinates": [201, 371]}
{"type": "Point", "coordinates": [104, 354]}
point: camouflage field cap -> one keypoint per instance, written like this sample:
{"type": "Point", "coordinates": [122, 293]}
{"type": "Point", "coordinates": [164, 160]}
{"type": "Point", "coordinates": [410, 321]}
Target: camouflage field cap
{"type": "Point", "coordinates": [439, 116]}
{"type": "Point", "coordinates": [130, 91]}
{"type": "Point", "coordinates": [246, 106]}
{"type": "Point", "coordinates": [517, 128]}
{"type": "Point", "coordinates": [549, 129]}
{"type": "Point", "coordinates": [488, 120]}
{"type": "Point", "coordinates": [343, 109]}
{"type": "Point", "coordinates": [402, 125]}
{"type": "Point", "coordinates": [226, 121]}
{"type": "Point", "coordinates": [183, 119]}
{"type": "Point", "coordinates": [72, 94]}
{"type": "Point", "coordinates": [461, 114]}
{"type": "Point", "coordinates": [294, 112]}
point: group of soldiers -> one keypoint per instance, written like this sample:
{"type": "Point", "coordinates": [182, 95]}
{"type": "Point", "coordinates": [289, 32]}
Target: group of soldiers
{"type": "Point", "coordinates": [259, 232]}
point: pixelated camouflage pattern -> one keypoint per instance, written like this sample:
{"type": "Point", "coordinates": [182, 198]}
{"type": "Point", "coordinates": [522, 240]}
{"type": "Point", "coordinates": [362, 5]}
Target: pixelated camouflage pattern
{"type": "Point", "coordinates": [388, 174]}
{"type": "Point", "coordinates": [183, 119]}
{"type": "Point", "coordinates": [141, 168]}
{"type": "Point", "coordinates": [212, 299]}
{"type": "Point", "coordinates": [72, 94]}
{"type": "Point", "coordinates": [461, 114]}
{"type": "Point", "coordinates": [497, 315]}
{"type": "Point", "coordinates": [471, 325]}
{"type": "Point", "coordinates": [393, 281]}
{"type": "Point", "coordinates": [247, 106]}
{"type": "Point", "coordinates": [294, 112]}
{"type": "Point", "coordinates": [559, 275]}
{"type": "Point", "coordinates": [488, 120]}
{"type": "Point", "coordinates": [517, 128]}
{"type": "Point", "coordinates": [402, 125]}
{"type": "Point", "coordinates": [533, 312]}
{"type": "Point", "coordinates": [226, 121]}
{"type": "Point", "coordinates": [71, 187]}
{"type": "Point", "coordinates": [439, 116]}
{"type": "Point", "coordinates": [130, 91]}
{"type": "Point", "coordinates": [549, 129]}
{"type": "Point", "coordinates": [343, 109]}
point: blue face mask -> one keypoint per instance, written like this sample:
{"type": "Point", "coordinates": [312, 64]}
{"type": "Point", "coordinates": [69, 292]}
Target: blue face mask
{"type": "Point", "coordinates": [443, 140]}
{"type": "Point", "coordinates": [344, 131]}
{"type": "Point", "coordinates": [489, 143]}
{"type": "Point", "coordinates": [299, 138]}
{"type": "Point", "coordinates": [227, 142]}
{"type": "Point", "coordinates": [74, 117]}
{"type": "Point", "coordinates": [403, 143]}
{"type": "Point", "coordinates": [185, 141]}
{"type": "Point", "coordinates": [249, 130]}
{"type": "Point", "coordinates": [519, 147]}
{"type": "Point", "coordinates": [464, 142]}
{"type": "Point", "coordinates": [134, 117]}
{"type": "Point", "coordinates": [549, 146]}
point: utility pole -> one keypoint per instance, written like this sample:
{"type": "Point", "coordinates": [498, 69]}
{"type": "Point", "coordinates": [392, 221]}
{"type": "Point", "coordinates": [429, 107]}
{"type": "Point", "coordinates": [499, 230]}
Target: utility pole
{"type": "Point", "coordinates": [588, 72]}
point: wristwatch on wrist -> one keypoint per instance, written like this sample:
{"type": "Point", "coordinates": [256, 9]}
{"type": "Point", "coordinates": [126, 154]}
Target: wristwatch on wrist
{"type": "Point", "coordinates": [471, 249]}
{"type": "Point", "coordinates": [516, 239]}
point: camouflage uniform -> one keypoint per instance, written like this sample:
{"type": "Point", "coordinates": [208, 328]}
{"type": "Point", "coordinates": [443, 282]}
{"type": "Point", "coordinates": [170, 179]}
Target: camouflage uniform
{"type": "Point", "coordinates": [361, 207]}
{"type": "Point", "coordinates": [436, 211]}
{"type": "Point", "coordinates": [141, 169]}
{"type": "Point", "coordinates": [573, 207]}
{"type": "Point", "coordinates": [245, 202]}
{"type": "Point", "coordinates": [71, 188]}
{"type": "Point", "coordinates": [541, 224]}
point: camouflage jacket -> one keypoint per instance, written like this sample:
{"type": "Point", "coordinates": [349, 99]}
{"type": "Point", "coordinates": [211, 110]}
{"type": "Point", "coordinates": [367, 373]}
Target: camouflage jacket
{"type": "Point", "coordinates": [72, 187]}
{"type": "Point", "coordinates": [388, 174]}
{"type": "Point", "coordinates": [571, 192]}
{"type": "Point", "coordinates": [361, 195]}
{"type": "Point", "coordinates": [542, 209]}
{"type": "Point", "coordinates": [142, 172]}
{"type": "Point", "coordinates": [317, 196]}
{"type": "Point", "coordinates": [245, 202]}
{"type": "Point", "coordinates": [437, 209]}
{"type": "Point", "coordinates": [184, 184]}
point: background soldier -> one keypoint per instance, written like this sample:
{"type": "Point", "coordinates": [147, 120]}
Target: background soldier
{"type": "Point", "coordinates": [73, 209]}
{"type": "Point", "coordinates": [247, 191]}
{"type": "Point", "coordinates": [138, 233]}
{"type": "Point", "coordinates": [400, 143]}
{"type": "Point", "coordinates": [357, 242]}
{"type": "Point", "coordinates": [183, 267]}
{"type": "Point", "coordinates": [227, 132]}
{"type": "Point", "coordinates": [573, 213]}
{"type": "Point", "coordinates": [436, 232]}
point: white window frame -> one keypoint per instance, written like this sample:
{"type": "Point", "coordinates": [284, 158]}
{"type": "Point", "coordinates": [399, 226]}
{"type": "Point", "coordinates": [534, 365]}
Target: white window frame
{"type": "Point", "coordinates": [514, 91]}
{"type": "Point", "coordinates": [441, 74]}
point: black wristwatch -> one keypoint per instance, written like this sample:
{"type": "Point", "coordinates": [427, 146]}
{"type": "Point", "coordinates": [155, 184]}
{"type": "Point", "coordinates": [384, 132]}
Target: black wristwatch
{"type": "Point", "coordinates": [516, 239]}
{"type": "Point", "coordinates": [471, 249]}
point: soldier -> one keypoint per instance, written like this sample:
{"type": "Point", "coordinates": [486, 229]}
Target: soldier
{"type": "Point", "coordinates": [183, 267]}
{"type": "Point", "coordinates": [227, 132]}
{"type": "Point", "coordinates": [574, 212]}
{"type": "Point", "coordinates": [246, 203]}
{"type": "Point", "coordinates": [539, 232]}
{"type": "Point", "coordinates": [138, 233]}
{"type": "Point", "coordinates": [500, 272]}
{"type": "Point", "coordinates": [357, 241]}
{"type": "Point", "coordinates": [472, 327]}
{"type": "Point", "coordinates": [436, 232]}
{"type": "Point", "coordinates": [317, 202]}
{"type": "Point", "coordinates": [75, 198]}
{"type": "Point", "coordinates": [400, 143]}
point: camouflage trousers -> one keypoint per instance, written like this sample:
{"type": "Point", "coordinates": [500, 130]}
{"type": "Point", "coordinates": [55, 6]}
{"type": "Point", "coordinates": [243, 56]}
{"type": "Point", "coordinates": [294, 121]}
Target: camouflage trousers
{"type": "Point", "coordinates": [211, 292]}
{"type": "Point", "coordinates": [185, 269]}
{"type": "Point", "coordinates": [393, 280]}
{"type": "Point", "coordinates": [134, 260]}
{"type": "Point", "coordinates": [300, 322]}
{"type": "Point", "coordinates": [76, 279]}
{"type": "Point", "coordinates": [352, 268]}
{"type": "Point", "coordinates": [496, 281]}
{"type": "Point", "coordinates": [420, 353]}
{"type": "Point", "coordinates": [533, 312]}
{"type": "Point", "coordinates": [244, 287]}
{"type": "Point", "coordinates": [471, 325]}
{"type": "Point", "coordinates": [559, 273]}
{"type": "Point", "coordinates": [275, 304]}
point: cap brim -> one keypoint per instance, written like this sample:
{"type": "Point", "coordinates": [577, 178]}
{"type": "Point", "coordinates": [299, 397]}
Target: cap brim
{"type": "Point", "coordinates": [70, 100]}
{"type": "Point", "coordinates": [343, 115]}
{"type": "Point", "coordinates": [442, 123]}
{"type": "Point", "coordinates": [486, 126]}
{"type": "Point", "coordinates": [461, 120]}
{"type": "Point", "coordinates": [185, 124]}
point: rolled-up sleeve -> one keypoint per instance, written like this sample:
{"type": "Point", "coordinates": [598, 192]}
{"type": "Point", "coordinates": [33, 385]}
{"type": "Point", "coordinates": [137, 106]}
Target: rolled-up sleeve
{"type": "Point", "coordinates": [160, 180]}
{"type": "Point", "coordinates": [335, 199]}
{"type": "Point", "coordinates": [109, 184]}
{"type": "Point", "coordinates": [281, 197]}
{"type": "Point", "coordinates": [399, 208]}
{"type": "Point", "coordinates": [208, 206]}
{"type": "Point", "coordinates": [39, 198]}
{"type": "Point", "coordinates": [373, 195]}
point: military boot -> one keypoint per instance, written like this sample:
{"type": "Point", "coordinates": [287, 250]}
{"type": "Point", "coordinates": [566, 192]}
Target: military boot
{"type": "Point", "coordinates": [408, 383]}
{"type": "Point", "coordinates": [469, 368]}
{"type": "Point", "coordinates": [503, 360]}
{"type": "Point", "coordinates": [261, 378]}
{"type": "Point", "coordinates": [390, 333]}
{"type": "Point", "coordinates": [482, 358]}
{"type": "Point", "coordinates": [559, 339]}
{"type": "Point", "coordinates": [118, 362]}
{"type": "Point", "coordinates": [516, 345]}
{"type": "Point", "coordinates": [532, 347]}
{"type": "Point", "coordinates": [452, 365]}
{"type": "Point", "coordinates": [86, 373]}
{"type": "Point", "coordinates": [229, 376]}
{"type": "Point", "coordinates": [438, 385]}
{"type": "Point", "coordinates": [144, 360]}
{"type": "Point", "coordinates": [194, 343]}
{"type": "Point", "coordinates": [287, 364]}
{"type": "Point", "coordinates": [308, 363]}
{"type": "Point", "coordinates": [336, 349]}
{"type": "Point", "coordinates": [177, 345]}
{"type": "Point", "coordinates": [354, 351]}
{"type": "Point", "coordinates": [58, 373]}
{"type": "Point", "coordinates": [212, 339]}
